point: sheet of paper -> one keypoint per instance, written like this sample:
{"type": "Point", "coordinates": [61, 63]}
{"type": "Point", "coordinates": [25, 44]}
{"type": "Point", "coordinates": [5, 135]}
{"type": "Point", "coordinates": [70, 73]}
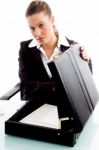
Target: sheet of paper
{"type": "Point", "coordinates": [46, 115]}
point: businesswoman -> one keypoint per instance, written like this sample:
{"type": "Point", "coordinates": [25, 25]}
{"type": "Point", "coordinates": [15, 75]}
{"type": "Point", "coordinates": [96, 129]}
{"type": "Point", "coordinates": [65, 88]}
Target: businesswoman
{"type": "Point", "coordinates": [35, 54]}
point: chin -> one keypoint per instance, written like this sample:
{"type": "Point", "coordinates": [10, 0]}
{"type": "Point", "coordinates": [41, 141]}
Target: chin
{"type": "Point", "coordinates": [43, 43]}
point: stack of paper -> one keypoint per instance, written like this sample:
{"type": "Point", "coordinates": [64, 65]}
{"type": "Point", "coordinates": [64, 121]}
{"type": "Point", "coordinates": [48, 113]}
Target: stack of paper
{"type": "Point", "coordinates": [46, 115]}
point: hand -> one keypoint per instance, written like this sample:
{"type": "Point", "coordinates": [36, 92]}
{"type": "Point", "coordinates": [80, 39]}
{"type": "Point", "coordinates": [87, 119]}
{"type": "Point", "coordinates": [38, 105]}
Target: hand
{"type": "Point", "coordinates": [84, 54]}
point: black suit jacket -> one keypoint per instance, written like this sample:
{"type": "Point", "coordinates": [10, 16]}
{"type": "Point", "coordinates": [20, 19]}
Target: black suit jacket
{"type": "Point", "coordinates": [35, 82]}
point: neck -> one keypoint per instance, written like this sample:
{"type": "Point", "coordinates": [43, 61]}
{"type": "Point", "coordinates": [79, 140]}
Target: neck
{"type": "Point", "coordinates": [49, 47]}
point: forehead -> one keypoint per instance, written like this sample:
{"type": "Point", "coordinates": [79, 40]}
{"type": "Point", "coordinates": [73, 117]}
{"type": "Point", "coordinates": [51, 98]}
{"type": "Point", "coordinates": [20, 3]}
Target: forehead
{"type": "Point", "coordinates": [37, 18]}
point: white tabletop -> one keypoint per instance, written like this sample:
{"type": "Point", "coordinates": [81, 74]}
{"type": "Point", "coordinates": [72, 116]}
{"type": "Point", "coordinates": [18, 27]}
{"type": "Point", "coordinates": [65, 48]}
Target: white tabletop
{"type": "Point", "coordinates": [88, 139]}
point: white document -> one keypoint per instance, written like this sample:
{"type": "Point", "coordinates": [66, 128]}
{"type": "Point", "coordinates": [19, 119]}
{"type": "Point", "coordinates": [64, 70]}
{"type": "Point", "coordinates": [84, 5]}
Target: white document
{"type": "Point", "coordinates": [46, 115]}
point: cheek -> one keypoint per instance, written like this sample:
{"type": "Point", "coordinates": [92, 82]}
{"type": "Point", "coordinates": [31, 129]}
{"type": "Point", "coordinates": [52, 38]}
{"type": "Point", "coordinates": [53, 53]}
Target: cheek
{"type": "Point", "coordinates": [47, 30]}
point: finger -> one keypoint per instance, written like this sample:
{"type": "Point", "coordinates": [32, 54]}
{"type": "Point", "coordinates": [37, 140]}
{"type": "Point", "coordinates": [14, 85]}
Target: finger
{"type": "Point", "coordinates": [82, 48]}
{"type": "Point", "coordinates": [84, 52]}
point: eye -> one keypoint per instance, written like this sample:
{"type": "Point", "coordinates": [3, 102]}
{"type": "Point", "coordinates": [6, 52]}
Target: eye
{"type": "Point", "coordinates": [32, 29]}
{"type": "Point", "coordinates": [41, 25]}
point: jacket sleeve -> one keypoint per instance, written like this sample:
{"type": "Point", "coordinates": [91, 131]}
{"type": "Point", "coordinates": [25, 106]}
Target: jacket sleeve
{"type": "Point", "coordinates": [90, 65]}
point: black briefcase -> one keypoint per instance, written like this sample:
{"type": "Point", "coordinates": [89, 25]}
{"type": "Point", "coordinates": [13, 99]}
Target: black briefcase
{"type": "Point", "coordinates": [79, 95]}
{"type": "Point", "coordinates": [75, 80]}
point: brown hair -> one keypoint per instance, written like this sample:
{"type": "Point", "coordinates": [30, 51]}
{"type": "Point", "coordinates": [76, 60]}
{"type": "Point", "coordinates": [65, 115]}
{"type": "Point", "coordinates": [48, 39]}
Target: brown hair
{"type": "Point", "coordinates": [38, 6]}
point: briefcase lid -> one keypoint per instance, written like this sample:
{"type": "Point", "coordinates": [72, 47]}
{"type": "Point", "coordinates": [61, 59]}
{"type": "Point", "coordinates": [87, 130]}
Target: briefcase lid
{"type": "Point", "coordinates": [74, 74]}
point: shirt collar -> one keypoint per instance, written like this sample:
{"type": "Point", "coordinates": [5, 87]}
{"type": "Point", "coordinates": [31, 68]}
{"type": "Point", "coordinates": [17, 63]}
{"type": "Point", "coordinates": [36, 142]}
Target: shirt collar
{"type": "Point", "coordinates": [34, 43]}
{"type": "Point", "coordinates": [62, 41]}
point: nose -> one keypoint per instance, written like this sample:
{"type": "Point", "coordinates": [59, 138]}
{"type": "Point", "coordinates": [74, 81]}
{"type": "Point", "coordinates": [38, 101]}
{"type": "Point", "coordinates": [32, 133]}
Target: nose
{"type": "Point", "coordinates": [37, 32]}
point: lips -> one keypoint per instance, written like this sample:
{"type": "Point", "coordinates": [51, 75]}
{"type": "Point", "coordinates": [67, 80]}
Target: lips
{"type": "Point", "coordinates": [40, 39]}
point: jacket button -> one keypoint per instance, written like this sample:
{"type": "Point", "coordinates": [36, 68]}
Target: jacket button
{"type": "Point", "coordinates": [53, 89]}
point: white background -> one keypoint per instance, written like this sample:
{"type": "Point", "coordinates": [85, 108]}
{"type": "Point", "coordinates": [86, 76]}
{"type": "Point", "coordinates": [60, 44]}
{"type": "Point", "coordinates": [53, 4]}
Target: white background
{"type": "Point", "coordinates": [78, 19]}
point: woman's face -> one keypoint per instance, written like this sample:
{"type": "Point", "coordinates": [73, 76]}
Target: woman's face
{"type": "Point", "coordinates": [41, 26]}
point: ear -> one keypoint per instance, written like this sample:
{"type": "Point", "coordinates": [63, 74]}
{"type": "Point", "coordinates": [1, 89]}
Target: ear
{"type": "Point", "coordinates": [52, 19]}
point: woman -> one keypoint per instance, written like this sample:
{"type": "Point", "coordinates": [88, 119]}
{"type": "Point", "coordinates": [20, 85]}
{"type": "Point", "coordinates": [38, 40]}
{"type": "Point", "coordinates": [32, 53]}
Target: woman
{"type": "Point", "coordinates": [35, 76]}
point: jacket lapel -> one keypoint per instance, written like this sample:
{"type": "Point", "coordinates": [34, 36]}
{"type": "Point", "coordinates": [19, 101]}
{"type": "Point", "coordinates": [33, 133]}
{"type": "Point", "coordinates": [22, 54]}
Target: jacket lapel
{"type": "Point", "coordinates": [64, 48]}
{"type": "Point", "coordinates": [36, 56]}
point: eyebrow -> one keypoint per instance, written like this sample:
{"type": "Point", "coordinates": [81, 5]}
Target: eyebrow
{"type": "Point", "coordinates": [37, 24]}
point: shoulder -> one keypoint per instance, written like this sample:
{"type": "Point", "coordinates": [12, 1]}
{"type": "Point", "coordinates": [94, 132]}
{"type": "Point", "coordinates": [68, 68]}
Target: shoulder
{"type": "Point", "coordinates": [25, 43]}
{"type": "Point", "coordinates": [70, 41]}
{"type": "Point", "coordinates": [24, 47]}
